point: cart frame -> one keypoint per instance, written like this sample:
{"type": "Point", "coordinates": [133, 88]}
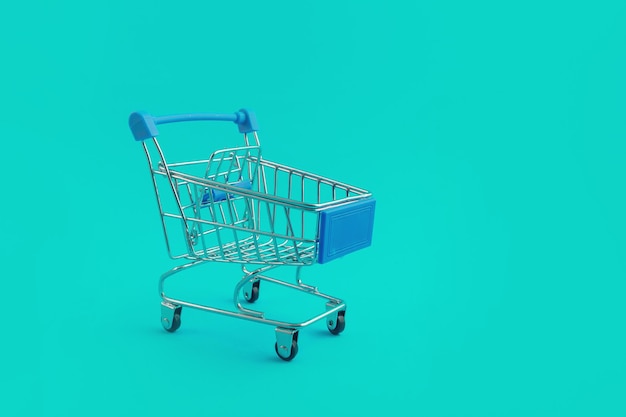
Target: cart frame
{"type": "Point", "coordinates": [245, 201]}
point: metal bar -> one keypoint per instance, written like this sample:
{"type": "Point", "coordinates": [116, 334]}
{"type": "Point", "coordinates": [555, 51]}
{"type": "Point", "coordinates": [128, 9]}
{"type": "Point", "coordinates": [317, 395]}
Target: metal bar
{"type": "Point", "coordinates": [268, 197]}
{"type": "Point", "coordinates": [175, 191]}
{"type": "Point", "coordinates": [257, 319]}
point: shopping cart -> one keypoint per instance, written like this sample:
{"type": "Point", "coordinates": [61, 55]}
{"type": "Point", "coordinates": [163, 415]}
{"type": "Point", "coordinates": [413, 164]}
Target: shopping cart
{"type": "Point", "coordinates": [237, 207]}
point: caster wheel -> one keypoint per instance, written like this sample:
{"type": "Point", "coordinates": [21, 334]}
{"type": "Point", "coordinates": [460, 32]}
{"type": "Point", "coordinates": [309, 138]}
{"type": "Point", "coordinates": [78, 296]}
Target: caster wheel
{"type": "Point", "coordinates": [253, 295]}
{"type": "Point", "coordinates": [294, 351]}
{"type": "Point", "coordinates": [175, 324]}
{"type": "Point", "coordinates": [338, 325]}
{"type": "Point", "coordinates": [172, 323]}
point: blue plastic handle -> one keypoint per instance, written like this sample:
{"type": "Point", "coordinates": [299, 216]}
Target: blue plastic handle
{"type": "Point", "coordinates": [143, 125]}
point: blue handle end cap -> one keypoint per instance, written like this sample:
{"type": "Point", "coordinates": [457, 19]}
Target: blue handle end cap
{"type": "Point", "coordinates": [246, 120]}
{"type": "Point", "coordinates": [142, 125]}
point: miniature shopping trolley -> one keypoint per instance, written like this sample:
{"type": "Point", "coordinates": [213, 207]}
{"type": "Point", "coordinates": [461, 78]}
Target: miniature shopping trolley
{"type": "Point", "coordinates": [237, 207]}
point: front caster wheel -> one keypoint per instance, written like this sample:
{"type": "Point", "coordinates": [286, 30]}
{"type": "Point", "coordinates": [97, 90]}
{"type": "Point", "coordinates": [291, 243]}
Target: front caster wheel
{"type": "Point", "coordinates": [292, 354]}
{"type": "Point", "coordinates": [170, 316]}
{"type": "Point", "coordinates": [338, 325]}
{"type": "Point", "coordinates": [175, 323]}
{"type": "Point", "coordinates": [286, 343]}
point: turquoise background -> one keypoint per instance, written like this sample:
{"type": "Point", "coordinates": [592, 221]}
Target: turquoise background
{"type": "Point", "coordinates": [492, 134]}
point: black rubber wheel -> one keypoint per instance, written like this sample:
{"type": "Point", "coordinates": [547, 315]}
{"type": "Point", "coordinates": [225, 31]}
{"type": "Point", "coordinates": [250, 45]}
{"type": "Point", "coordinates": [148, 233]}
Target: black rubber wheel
{"type": "Point", "coordinates": [340, 325]}
{"type": "Point", "coordinates": [294, 351]}
{"type": "Point", "coordinates": [176, 321]}
{"type": "Point", "coordinates": [252, 297]}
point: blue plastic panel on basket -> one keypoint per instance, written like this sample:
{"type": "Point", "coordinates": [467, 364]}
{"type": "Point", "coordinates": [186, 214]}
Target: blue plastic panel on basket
{"type": "Point", "coordinates": [345, 229]}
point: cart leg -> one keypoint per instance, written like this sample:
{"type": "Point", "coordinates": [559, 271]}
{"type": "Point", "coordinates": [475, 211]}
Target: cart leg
{"type": "Point", "coordinates": [170, 316]}
{"type": "Point", "coordinates": [286, 343]}
{"type": "Point", "coordinates": [307, 287]}
{"type": "Point", "coordinates": [336, 322]}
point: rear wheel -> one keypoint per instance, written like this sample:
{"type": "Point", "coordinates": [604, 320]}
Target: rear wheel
{"type": "Point", "coordinates": [253, 294]}
{"type": "Point", "coordinates": [338, 325]}
{"type": "Point", "coordinates": [292, 354]}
